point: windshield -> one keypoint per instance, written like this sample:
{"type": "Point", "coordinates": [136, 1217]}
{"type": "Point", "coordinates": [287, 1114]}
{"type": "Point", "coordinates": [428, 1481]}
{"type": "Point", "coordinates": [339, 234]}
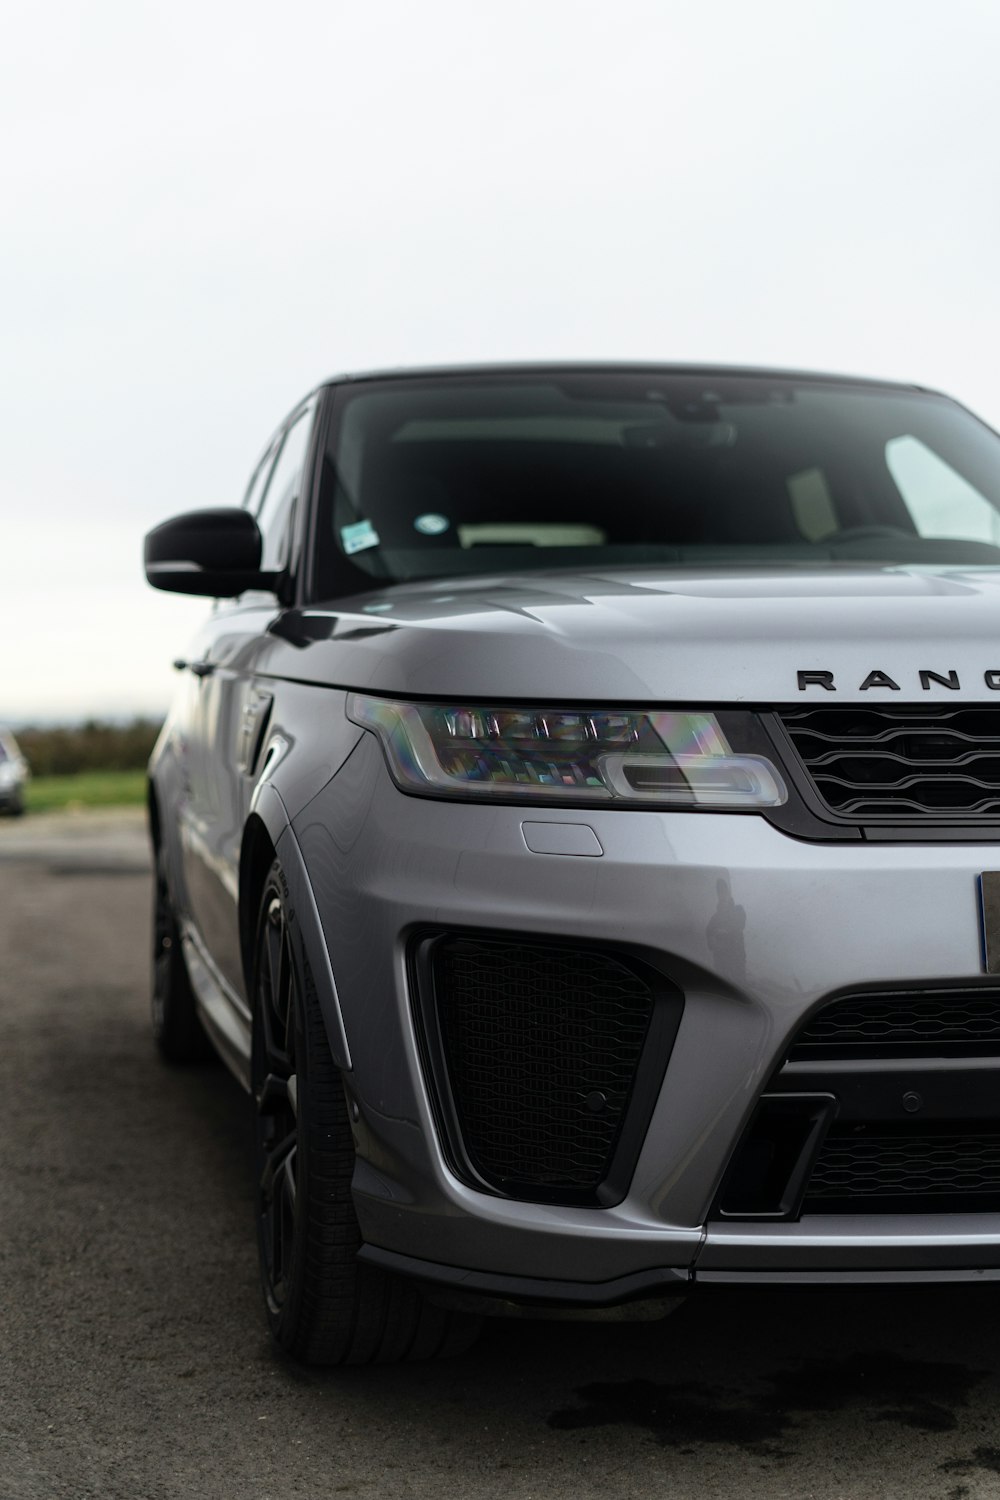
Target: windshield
{"type": "Point", "coordinates": [436, 476]}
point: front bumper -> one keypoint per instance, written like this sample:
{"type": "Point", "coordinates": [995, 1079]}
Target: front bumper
{"type": "Point", "coordinates": [755, 927]}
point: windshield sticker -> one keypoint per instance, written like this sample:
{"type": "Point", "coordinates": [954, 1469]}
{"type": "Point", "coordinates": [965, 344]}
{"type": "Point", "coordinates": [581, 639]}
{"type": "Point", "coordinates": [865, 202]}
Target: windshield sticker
{"type": "Point", "coordinates": [358, 537]}
{"type": "Point", "coordinates": [432, 524]}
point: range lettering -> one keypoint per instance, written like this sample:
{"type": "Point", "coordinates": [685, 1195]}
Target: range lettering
{"type": "Point", "coordinates": [879, 679]}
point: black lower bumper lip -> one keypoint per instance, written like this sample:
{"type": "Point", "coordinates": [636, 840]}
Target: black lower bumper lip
{"type": "Point", "coordinates": [532, 1290]}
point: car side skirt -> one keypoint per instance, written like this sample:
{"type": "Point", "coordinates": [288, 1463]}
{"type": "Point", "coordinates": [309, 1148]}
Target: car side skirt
{"type": "Point", "coordinates": [222, 1013]}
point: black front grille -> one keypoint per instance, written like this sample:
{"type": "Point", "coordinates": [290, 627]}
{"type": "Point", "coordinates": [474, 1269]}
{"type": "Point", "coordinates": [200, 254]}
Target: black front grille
{"type": "Point", "coordinates": [864, 1170]}
{"type": "Point", "coordinates": [941, 1023]}
{"type": "Point", "coordinates": [537, 1050]}
{"type": "Point", "coordinates": [902, 764]}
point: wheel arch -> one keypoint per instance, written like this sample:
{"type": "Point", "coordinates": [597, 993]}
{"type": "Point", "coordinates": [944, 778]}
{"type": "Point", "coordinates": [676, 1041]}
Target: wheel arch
{"type": "Point", "coordinates": [268, 835]}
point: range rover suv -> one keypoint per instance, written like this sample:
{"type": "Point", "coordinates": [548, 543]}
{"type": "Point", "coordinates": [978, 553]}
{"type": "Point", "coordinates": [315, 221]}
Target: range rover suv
{"type": "Point", "coordinates": [578, 828]}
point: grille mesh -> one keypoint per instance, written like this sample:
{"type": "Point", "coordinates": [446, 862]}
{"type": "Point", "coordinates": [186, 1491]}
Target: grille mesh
{"type": "Point", "coordinates": [861, 1170]}
{"type": "Point", "coordinates": [541, 1045]}
{"type": "Point", "coordinates": [943, 1022]}
{"type": "Point", "coordinates": [902, 763]}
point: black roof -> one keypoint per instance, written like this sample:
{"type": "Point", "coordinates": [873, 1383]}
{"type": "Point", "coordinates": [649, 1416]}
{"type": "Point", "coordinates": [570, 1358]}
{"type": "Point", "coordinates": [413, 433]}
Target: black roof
{"type": "Point", "coordinates": [623, 367]}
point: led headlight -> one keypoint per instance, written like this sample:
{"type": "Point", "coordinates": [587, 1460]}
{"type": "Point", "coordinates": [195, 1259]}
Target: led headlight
{"type": "Point", "coordinates": [561, 755]}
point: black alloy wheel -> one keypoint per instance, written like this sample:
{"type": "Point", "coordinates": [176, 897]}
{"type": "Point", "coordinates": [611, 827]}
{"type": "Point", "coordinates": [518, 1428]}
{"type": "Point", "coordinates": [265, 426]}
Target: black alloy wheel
{"type": "Point", "coordinates": [276, 1046]}
{"type": "Point", "coordinates": [323, 1305]}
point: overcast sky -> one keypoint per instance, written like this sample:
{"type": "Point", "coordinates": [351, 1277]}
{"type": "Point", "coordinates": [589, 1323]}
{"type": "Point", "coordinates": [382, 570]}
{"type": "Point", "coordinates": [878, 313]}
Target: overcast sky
{"type": "Point", "coordinates": [207, 208]}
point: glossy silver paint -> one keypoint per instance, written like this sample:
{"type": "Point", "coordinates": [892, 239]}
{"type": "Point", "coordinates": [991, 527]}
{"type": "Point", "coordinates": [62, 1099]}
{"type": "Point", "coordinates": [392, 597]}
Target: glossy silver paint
{"type": "Point", "coordinates": [652, 636]}
{"type": "Point", "coordinates": [756, 927]}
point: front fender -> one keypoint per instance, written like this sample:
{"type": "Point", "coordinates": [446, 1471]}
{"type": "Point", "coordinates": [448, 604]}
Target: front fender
{"type": "Point", "coordinates": [312, 950]}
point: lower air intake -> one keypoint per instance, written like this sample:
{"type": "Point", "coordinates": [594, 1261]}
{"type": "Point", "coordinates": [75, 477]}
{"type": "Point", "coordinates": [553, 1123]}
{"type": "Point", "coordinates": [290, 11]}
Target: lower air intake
{"type": "Point", "coordinates": [950, 1022]}
{"type": "Point", "coordinates": [543, 1054]}
{"type": "Point", "coordinates": [871, 1171]}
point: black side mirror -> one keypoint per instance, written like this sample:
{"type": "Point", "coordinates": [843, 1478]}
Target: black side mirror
{"type": "Point", "coordinates": [213, 552]}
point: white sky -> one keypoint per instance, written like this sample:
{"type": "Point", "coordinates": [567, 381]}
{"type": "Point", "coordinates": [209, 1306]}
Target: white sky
{"type": "Point", "coordinates": [206, 208]}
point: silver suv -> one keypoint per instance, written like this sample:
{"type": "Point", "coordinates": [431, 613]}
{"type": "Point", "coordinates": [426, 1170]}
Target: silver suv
{"type": "Point", "coordinates": [578, 827]}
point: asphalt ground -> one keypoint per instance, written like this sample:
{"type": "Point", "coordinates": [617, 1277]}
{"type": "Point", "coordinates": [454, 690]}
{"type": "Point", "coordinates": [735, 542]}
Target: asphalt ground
{"type": "Point", "coordinates": [134, 1361]}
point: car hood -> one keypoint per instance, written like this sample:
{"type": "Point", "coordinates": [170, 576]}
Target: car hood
{"type": "Point", "coordinates": [733, 636]}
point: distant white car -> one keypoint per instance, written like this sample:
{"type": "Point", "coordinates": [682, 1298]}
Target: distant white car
{"type": "Point", "coordinates": [13, 775]}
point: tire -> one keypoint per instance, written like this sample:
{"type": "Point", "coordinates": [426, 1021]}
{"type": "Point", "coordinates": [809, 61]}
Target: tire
{"type": "Point", "coordinates": [177, 1031]}
{"type": "Point", "coordinates": [323, 1306]}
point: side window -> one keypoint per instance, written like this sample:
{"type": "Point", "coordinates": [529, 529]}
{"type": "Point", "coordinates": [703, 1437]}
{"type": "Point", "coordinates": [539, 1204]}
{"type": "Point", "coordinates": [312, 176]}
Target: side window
{"type": "Point", "coordinates": [251, 500]}
{"type": "Point", "coordinates": [277, 508]}
{"type": "Point", "coordinates": [941, 502]}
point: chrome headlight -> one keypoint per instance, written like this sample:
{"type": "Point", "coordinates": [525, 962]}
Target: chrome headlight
{"type": "Point", "coordinates": [620, 757]}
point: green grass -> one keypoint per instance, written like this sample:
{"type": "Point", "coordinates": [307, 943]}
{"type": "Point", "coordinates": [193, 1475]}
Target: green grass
{"type": "Point", "coordinates": [88, 789]}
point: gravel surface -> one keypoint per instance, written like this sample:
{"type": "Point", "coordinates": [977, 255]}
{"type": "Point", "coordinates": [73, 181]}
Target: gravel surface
{"type": "Point", "coordinates": [133, 1356]}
